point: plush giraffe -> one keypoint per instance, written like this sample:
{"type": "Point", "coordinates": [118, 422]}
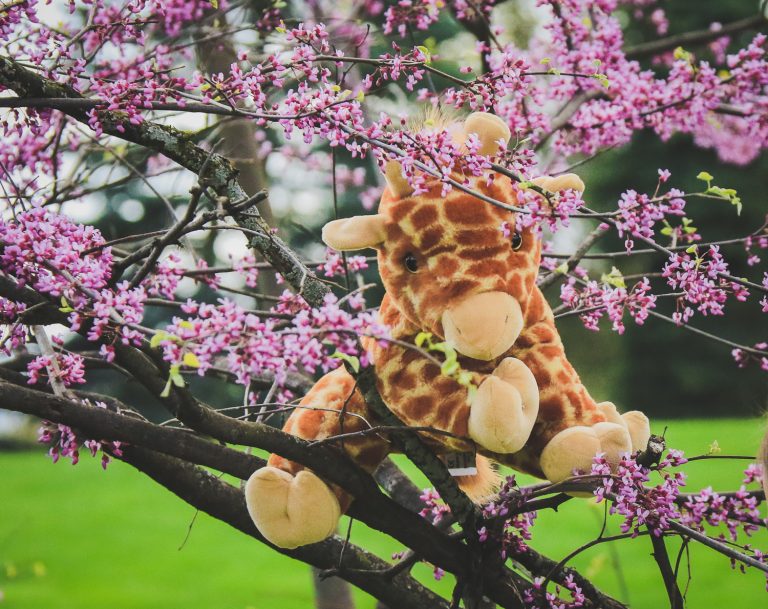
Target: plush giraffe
{"type": "Point", "coordinates": [449, 270]}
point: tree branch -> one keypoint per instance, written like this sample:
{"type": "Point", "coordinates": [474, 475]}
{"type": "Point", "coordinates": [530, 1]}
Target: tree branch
{"type": "Point", "coordinates": [688, 39]}
{"type": "Point", "coordinates": [177, 146]}
{"type": "Point", "coordinates": [225, 502]}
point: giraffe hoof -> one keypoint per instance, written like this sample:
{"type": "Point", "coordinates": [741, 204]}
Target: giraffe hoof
{"type": "Point", "coordinates": [291, 511]}
{"type": "Point", "coordinates": [635, 421]}
{"type": "Point", "coordinates": [504, 409]}
{"type": "Point", "coordinates": [639, 428]}
{"type": "Point", "coordinates": [573, 449]}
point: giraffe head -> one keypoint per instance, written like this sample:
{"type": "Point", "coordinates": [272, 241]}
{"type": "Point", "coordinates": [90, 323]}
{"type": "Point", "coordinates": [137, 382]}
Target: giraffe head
{"type": "Point", "coordinates": [445, 261]}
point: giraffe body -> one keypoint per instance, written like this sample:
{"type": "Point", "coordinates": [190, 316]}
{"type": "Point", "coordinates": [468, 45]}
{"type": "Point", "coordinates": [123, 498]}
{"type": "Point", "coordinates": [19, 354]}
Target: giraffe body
{"type": "Point", "coordinates": [449, 270]}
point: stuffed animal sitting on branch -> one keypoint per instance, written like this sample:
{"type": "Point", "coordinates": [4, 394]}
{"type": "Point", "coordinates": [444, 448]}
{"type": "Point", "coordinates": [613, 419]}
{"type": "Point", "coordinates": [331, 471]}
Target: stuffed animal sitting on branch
{"type": "Point", "coordinates": [450, 271]}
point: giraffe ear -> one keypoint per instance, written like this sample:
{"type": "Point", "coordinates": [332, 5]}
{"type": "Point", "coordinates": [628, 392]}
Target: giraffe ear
{"type": "Point", "coordinates": [393, 174]}
{"type": "Point", "coordinates": [567, 181]}
{"type": "Point", "coordinates": [489, 128]}
{"type": "Point", "coordinates": [355, 233]}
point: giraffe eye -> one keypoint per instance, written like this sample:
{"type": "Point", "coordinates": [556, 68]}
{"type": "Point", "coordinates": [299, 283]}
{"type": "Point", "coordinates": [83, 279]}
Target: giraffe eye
{"type": "Point", "coordinates": [411, 263]}
{"type": "Point", "coordinates": [517, 241]}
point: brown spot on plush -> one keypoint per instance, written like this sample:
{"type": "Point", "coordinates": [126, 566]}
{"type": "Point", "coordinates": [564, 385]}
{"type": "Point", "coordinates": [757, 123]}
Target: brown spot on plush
{"type": "Point", "coordinates": [446, 386]}
{"type": "Point", "coordinates": [401, 209]}
{"type": "Point", "coordinates": [459, 288]}
{"type": "Point", "coordinates": [484, 253]}
{"type": "Point", "coordinates": [445, 248]}
{"type": "Point", "coordinates": [550, 409]}
{"type": "Point", "coordinates": [430, 238]}
{"type": "Point", "coordinates": [486, 268]}
{"type": "Point", "coordinates": [459, 211]}
{"type": "Point", "coordinates": [544, 334]}
{"type": "Point", "coordinates": [429, 373]}
{"type": "Point", "coordinates": [516, 285]}
{"type": "Point", "coordinates": [409, 355]}
{"type": "Point", "coordinates": [404, 379]}
{"type": "Point", "coordinates": [446, 266]}
{"type": "Point", "coordinates": [420, 407]}
{"type": "Point", "coordinates": [540, 372]}
{"type": "Point", "coordinates": [423, 217]}
{"type": "Point", "coordinates": [550, 351]}
{"type": "Point", "coordinates": [479, 236]}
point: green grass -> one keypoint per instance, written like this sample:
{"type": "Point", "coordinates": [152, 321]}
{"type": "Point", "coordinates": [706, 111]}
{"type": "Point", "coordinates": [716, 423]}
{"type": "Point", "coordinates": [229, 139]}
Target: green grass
{"type": "Point", "coordinates": [81, 537]}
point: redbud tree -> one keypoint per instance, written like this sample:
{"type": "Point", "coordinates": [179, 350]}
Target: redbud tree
{"type": "Point", "coordinates": [149, 146]}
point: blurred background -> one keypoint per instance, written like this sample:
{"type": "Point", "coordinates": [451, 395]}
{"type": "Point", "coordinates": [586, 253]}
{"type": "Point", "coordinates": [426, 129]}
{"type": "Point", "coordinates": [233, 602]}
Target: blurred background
{"type": "Point", "coordinates": [86, 538]}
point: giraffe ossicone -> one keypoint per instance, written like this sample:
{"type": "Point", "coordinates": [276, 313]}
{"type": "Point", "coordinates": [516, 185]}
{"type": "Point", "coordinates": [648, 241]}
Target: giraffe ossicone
{"type": "Point", "coordinates": [448, 269]}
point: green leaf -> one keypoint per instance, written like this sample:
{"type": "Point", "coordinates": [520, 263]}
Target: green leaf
{"type": "Point", "coordinates": [214, 3]}
{"type": "Point", "coordinates": [681, 53]}
{"type": "Point", "coordinates": [449, 367]}
{"type": "Point", "coordinates": [353, 361]}
{"type": "Point", "coordinates": [191, 360]}
{"type": "Point", "coordinates": [562, 269]}
{"type": "Point", "coordinates": [614, 278]}
{"type": "Point", "coordinates": [667, 231]}
{"type": "Point", "coordinates": [464, 378]}
{"type": "Point", "coordinates": [65, 308]}
{"type": "Point", "coordinates": [167, 389]}
{"type": "Point", "coordinates": [175, 376]}
{"type": "Point", "coordinates": [427, 54]}
{"type": "Point", "coordinates": [705, 176]}
{"type": "Point", "coordinates": [157, 338]}
{"type": "Point", "coordinates": [421, 338]}
{"type": "Point", "coordinates": [693, 249]}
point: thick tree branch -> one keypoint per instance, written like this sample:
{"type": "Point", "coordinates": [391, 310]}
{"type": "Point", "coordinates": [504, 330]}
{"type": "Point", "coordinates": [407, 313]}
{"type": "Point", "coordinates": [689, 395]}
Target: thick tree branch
{"type": "Point", "coordinates": [224, 502]}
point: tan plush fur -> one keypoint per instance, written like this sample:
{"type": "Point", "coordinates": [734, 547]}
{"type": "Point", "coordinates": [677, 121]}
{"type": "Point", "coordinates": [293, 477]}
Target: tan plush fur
{"type": "Point", "coordinates": [465, 282]}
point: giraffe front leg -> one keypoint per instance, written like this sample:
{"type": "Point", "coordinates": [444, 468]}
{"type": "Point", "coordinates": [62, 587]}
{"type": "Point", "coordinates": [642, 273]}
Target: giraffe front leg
{"type": "Point", "coordinates": [289, 504]}
{"type": "Point", "coordinates": [573, 449]}
{"type": "Point", "coordinates": [503, 410]}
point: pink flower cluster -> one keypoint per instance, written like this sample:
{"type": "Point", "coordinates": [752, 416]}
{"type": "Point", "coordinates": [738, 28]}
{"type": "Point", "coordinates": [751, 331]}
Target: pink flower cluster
{"type": "Point", "coordinates": [639, 213]}
{"type": "Point", "coordinates": [640, 505]}
{"type": "Point", "coordinates": [553, 214]}
{"type": "Point", "coordinates": [699, 279]}
{"type": "Point", "coordinates": [516, 529]}
{"type": "Point", "coordinates": [434, 507]}
{"type": "Point", "coordinates": [71, 368]}
{"type": "Point", "coordinates": [247, 345]}
{"type": "Point", "coordinates": [416, 13]}
{"type": "Point", "coordinates": [334, 264]}
{"type": "Point", "coordinates": [15, 334]}
{"type": "Point", "coordinates": [54, 255]}
{"type": "Point", "coordinates": [743, 358]}
{"type": "Point", "coordinates": [597, 300]}
{"type": "Point", "coordinates": [655, 506]}
{"type": "Point", "coordinates": [537, 598]}
{"type": "Point", "coordinates": [65, 443]}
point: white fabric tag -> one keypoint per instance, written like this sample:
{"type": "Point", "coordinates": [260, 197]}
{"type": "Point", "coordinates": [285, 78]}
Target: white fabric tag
{"type": "Point", "coordinates": [460, 464]}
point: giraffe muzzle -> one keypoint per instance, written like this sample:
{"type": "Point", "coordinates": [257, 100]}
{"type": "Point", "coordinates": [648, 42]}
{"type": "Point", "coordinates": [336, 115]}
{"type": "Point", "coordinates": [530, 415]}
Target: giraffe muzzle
{"type": "Point", "coordinates": [483, 326]}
